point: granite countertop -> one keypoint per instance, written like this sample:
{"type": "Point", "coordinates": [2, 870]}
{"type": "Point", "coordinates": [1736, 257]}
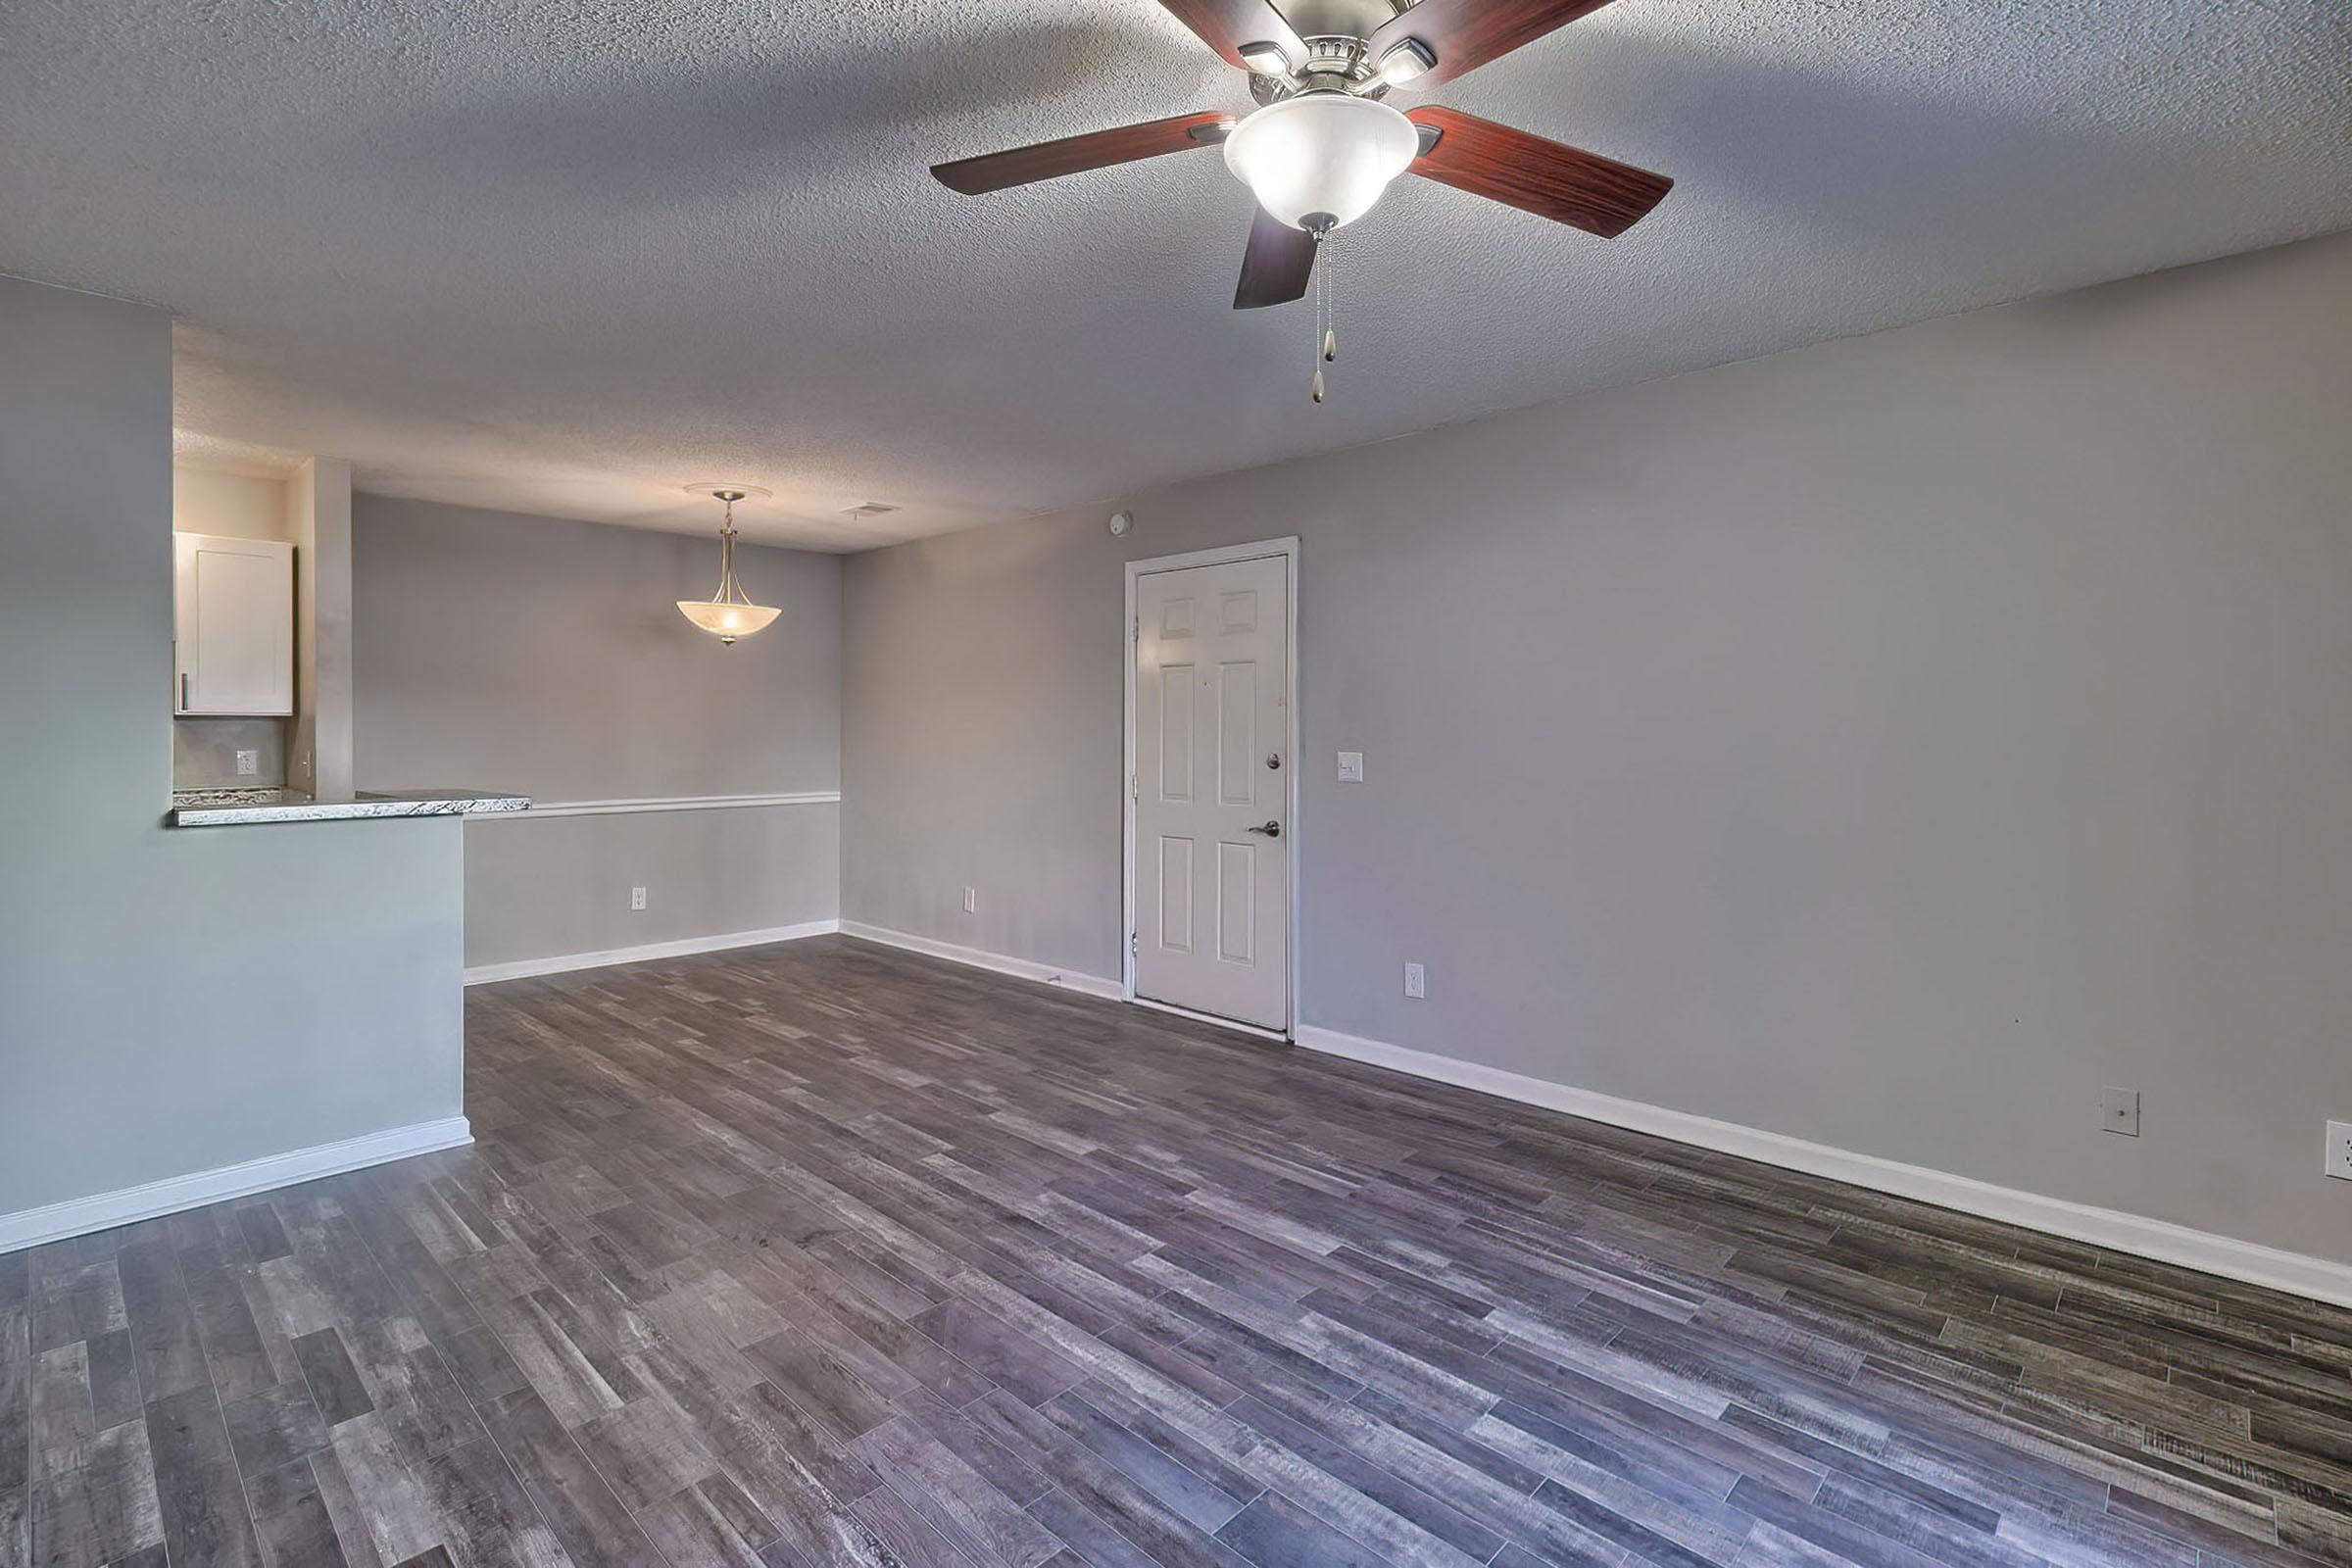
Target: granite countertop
{"type": "Point", "coordinates": [234, 808]}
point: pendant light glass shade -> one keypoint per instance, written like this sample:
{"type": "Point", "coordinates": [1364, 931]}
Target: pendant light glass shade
{"type": "Point", "coordinates": [726, 621]}
{"type": "Point", "coordinates": [729, 612]}
{"type": "Point", "coordinates": [1319, 160]}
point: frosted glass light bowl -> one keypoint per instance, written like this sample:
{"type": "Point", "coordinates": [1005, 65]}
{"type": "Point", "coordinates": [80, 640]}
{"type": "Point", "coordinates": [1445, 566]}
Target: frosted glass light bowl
{"type": "Point", "coordinates": [1321, 160]}
{"type": "Point", "coordinates": [727, 621]}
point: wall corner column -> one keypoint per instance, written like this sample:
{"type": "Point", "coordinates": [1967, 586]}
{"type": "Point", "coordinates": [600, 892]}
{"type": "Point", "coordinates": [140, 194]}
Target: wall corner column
{"type": "Point", "coordinates": [319, 521]}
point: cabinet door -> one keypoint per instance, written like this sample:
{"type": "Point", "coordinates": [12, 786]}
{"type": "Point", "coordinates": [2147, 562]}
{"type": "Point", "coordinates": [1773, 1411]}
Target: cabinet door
{"type": "Point", "coordinates": [233, 614]}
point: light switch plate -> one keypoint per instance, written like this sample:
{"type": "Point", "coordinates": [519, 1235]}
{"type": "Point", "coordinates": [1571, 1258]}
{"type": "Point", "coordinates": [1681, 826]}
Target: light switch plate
{"type": "Point", "coordinates": [971, 901]}
{"type": "Point", "coordinates": [2119, 1112]}
{"type": "Point", "coordinates": [1352, 767]}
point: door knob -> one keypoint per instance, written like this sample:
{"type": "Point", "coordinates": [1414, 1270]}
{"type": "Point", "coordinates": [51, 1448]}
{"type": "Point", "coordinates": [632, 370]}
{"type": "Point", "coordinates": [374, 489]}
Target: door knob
{"type": "Point", "coordinates": [1272, 830]}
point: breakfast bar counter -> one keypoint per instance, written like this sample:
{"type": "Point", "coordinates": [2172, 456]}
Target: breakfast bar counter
{"type": "Point", "coordinates": [236, 807]}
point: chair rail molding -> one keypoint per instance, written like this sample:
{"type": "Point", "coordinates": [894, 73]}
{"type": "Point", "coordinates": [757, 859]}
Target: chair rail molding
{"type": "Point", "coordinates": [671, 803]}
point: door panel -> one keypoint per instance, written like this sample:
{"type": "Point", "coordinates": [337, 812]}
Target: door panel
{"type": "Point", "coordinates": [1237, 737]}
{"type": "Point", "coordinates": [1211, 726]}
{"type": "Point", "coordinates": [1176, 733]}
{"type": "Point", "coordinates": [1236, 902]}
{"type": "Point", "coordinates": [1176, 895]}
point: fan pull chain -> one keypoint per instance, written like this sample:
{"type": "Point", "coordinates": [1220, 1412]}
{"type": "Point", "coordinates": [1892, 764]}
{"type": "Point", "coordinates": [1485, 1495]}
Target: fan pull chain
{"type": "Point", "coordinates": [1331, 337]}
{"type": "Point", "coordinates": [1326, 341]}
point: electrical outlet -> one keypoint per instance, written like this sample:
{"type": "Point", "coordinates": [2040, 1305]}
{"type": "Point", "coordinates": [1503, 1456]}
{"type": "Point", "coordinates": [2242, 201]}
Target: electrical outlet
{"type": "Point", "coordinates": [972, 900]}
{"type": "Point", "coordinates": [2340, 1151]}
{"type": "Point", "coordinates": [636, 897]}
{"type": "Point", "coordinates": [1415, 982]}
{"type": "Point", "coordinates": [2119, 1112]}
{"type": "Point", "coordinates": [1352, 767]}
{"type": "Point", "coordinates": [248, 763]}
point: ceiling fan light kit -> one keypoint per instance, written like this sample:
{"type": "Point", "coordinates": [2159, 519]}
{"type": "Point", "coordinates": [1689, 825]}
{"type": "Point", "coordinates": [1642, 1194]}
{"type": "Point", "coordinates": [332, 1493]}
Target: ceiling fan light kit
{"type": "Point", "coordinates": [1318, 162]}
{"type": "Point", "coordinates": [1266, 60]}
{"type": "Point", "coordinates": [1409, 59]}
{"type": "Point", "coordinates": [1322, 147]}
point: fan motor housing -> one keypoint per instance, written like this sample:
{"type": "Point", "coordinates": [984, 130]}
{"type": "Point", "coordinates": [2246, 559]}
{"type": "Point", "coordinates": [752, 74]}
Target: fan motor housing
{"type": "Point", "coordinates": [1337, 18]}
{"type": "Point", "coordinates": [1335, 63]}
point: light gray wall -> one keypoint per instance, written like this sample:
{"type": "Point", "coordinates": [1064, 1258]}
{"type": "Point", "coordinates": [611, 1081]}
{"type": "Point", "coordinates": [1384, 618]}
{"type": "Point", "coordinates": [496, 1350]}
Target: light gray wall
{"type": "Point", "coordinates": [169, 1001]}
{"type": "Point", "coordinates": [1887, 743]}
{"type": "Point", "coordinates": [535, 890]}
{"type": "Point", "coordinates": [547, 655]}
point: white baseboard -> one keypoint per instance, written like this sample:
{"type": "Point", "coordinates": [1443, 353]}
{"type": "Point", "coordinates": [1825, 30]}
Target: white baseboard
{"type": "Point", "coordinates": [2112, 1228]}
{"type": "Point", "coordinates": [1093, 985]}
{"type": "Point", "coordinates": [522, 968]}
{"type": "Point", "coordinates": [78, 1217]}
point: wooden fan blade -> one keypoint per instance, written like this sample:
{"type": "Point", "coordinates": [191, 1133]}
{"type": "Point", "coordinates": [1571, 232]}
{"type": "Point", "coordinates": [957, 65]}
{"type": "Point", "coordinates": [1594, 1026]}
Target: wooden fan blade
{"type": "Point", "coordinates": [1070, 155]}
{"type": "Point", "coordinates": [1565, 184]}
{"type": "Point", "coordinates": [1276, 266]}
{"type": "Point", "coordinates": [1226, 26]}
{"type": "Point", "coordinates": [1465, 34]}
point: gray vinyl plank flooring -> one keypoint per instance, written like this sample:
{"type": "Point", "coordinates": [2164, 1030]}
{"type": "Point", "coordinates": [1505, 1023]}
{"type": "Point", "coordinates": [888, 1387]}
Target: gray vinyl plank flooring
{"type": "Point", "coordinates": [826, 1254]}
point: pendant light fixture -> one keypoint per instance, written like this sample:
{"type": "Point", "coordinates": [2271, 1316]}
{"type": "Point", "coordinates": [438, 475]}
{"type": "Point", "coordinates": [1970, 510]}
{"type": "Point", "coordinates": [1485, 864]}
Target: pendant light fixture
{"type": "Point", "coordinates": [729, 612]}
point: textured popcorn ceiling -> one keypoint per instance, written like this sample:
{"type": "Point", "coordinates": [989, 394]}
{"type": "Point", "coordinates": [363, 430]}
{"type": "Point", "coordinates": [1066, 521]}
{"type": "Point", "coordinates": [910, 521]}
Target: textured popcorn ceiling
{"type": "Point", "coordinates": [565, 257]}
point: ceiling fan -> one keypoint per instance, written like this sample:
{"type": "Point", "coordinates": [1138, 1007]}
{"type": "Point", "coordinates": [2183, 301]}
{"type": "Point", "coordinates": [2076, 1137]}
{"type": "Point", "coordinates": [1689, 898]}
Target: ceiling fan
{"type": "Point", "coordinates": [1322, 146]}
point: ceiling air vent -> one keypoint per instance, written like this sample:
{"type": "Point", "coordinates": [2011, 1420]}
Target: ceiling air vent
{"type": "Point", "coordinates": [869, 509]}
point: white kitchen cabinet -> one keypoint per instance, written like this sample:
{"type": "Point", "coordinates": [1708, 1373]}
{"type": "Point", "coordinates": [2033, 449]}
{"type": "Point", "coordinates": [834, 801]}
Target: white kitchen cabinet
{"type": "Point", "coordinates": [232, 614]}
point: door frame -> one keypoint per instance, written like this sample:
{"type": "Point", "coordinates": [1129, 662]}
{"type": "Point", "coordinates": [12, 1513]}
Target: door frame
{"type": "Point", "coordinates": [1287, 549]}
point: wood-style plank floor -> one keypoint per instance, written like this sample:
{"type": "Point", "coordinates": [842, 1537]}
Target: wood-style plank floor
{"type": "Point", "coordinates": [826, 1254]}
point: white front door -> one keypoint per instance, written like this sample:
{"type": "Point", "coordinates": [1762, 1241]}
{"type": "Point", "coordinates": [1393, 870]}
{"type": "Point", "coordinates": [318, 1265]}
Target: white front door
{"type": "Point", "coordinates": [1212, 851]}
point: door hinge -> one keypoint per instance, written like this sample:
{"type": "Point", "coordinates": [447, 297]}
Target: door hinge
{"type": "Point", "coordinates": [1134, 791]}
{"type": "Point", "coordinates": [1135, 944]}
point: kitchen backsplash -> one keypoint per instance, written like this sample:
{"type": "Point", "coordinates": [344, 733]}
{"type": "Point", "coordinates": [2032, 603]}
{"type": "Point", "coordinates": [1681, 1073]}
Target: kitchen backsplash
{"type": "Point", "coordinates": [204, 751]}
